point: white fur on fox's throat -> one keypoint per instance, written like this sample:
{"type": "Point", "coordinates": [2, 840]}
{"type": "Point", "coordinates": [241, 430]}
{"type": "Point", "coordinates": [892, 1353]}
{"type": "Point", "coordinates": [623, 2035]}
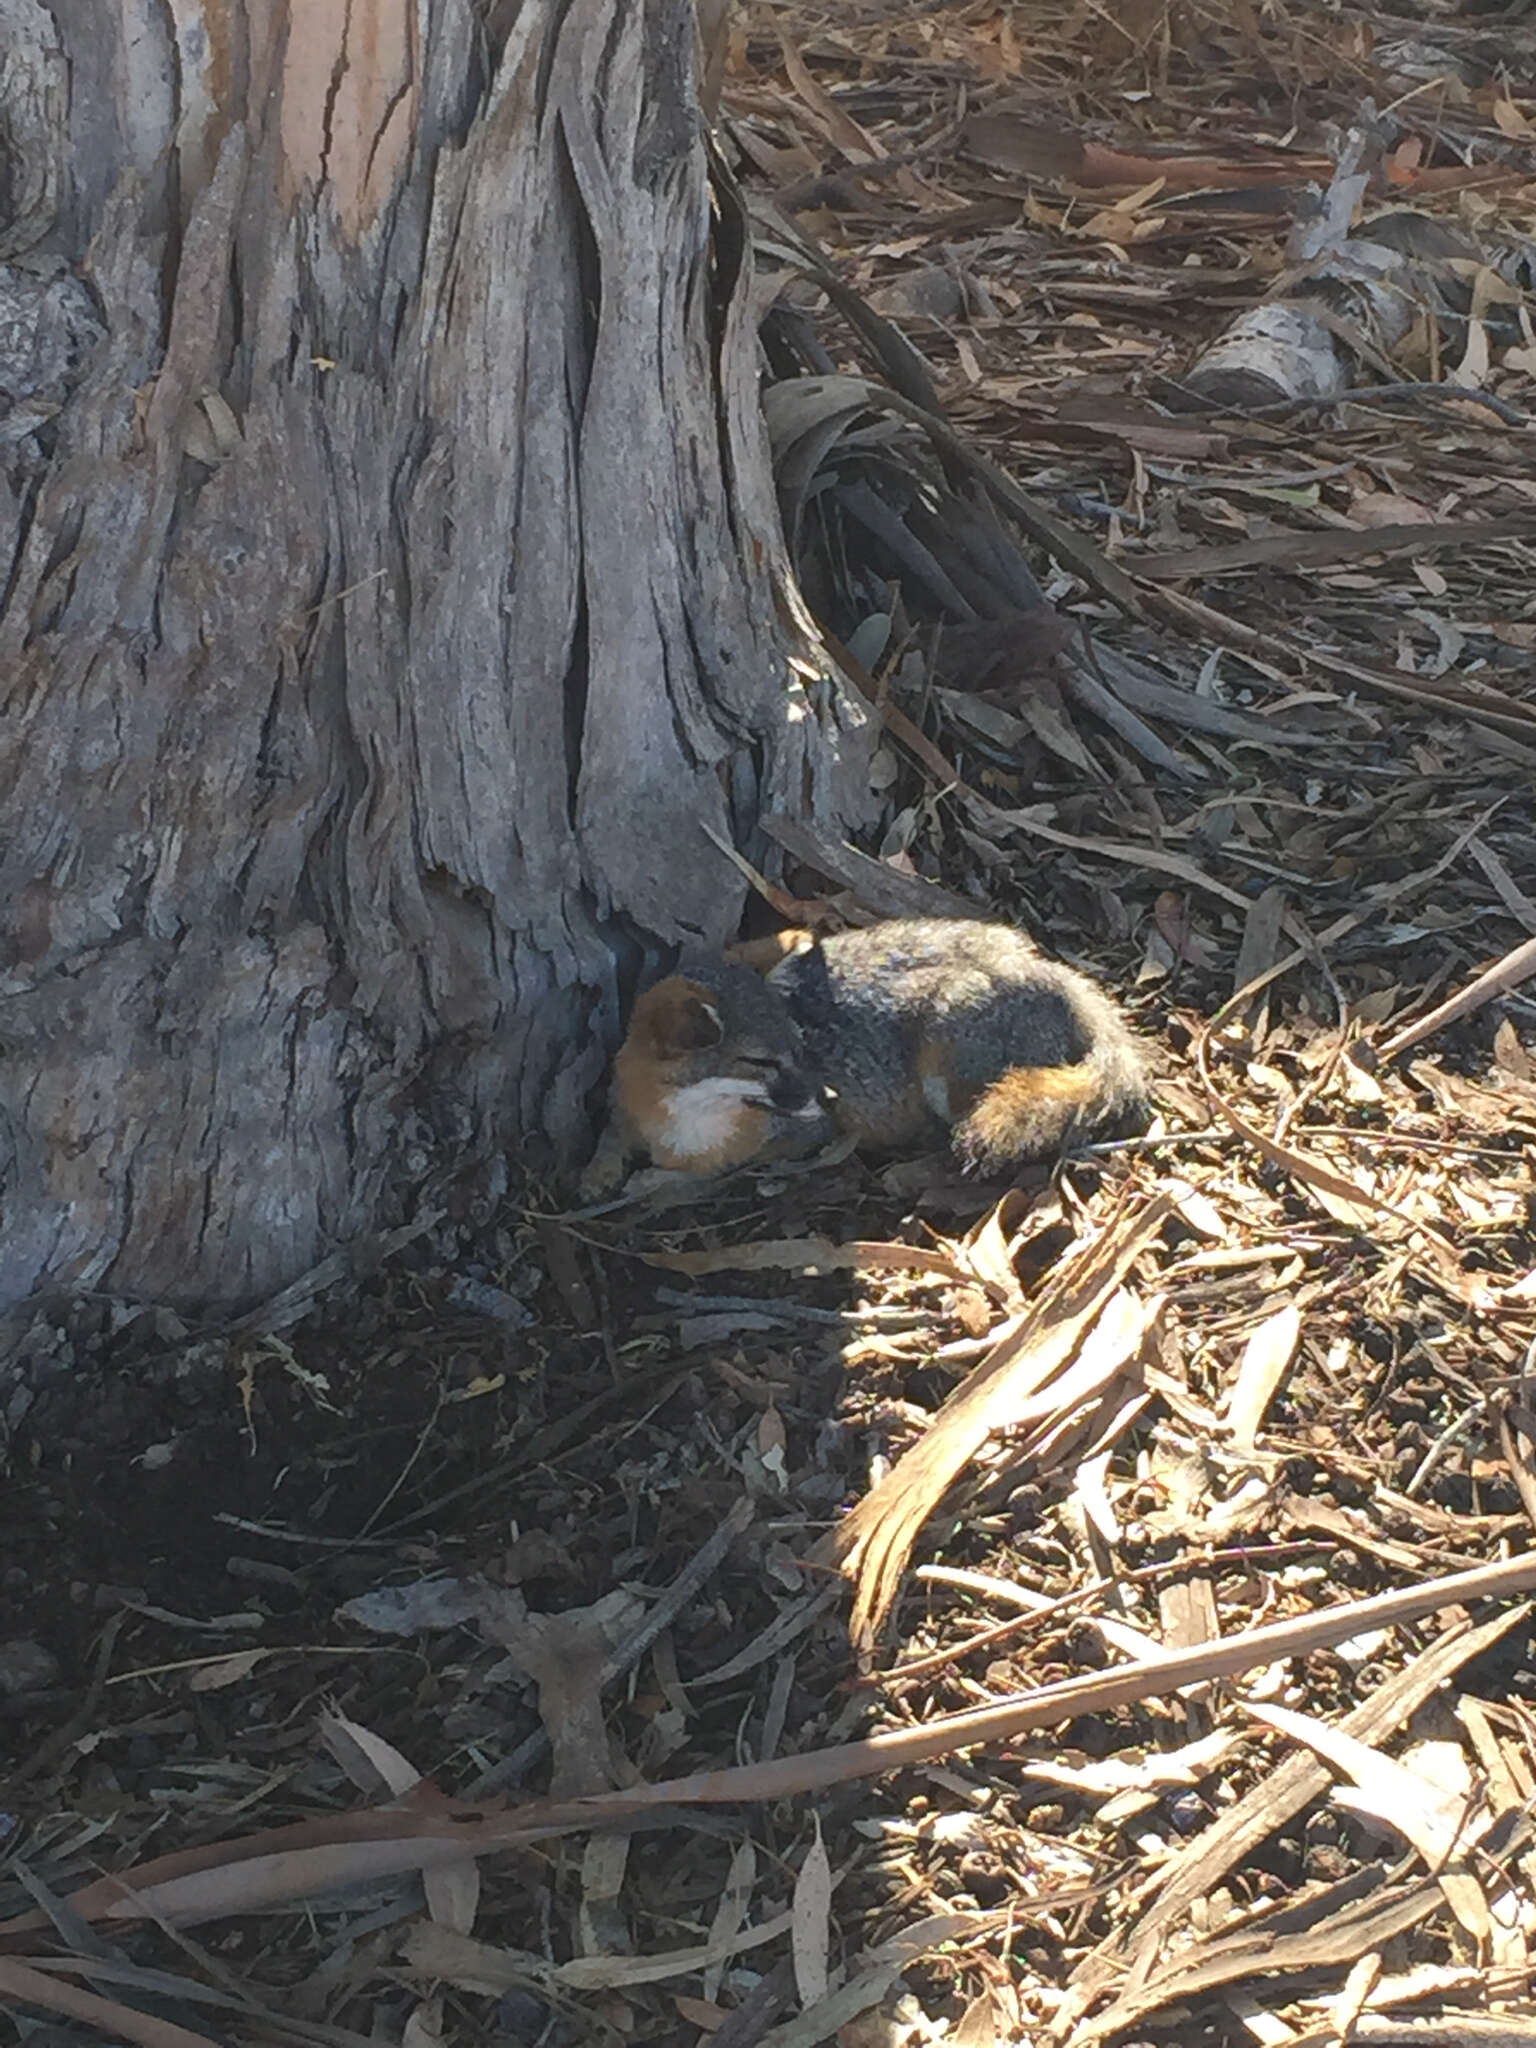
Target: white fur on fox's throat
{"type": "Point", "coordinates": [702, 1117]}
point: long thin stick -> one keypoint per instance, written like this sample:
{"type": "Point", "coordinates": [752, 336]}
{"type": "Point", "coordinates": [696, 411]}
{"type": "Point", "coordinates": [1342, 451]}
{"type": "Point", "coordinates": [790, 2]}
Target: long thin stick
{"type": "Point", "coordinates": [315, 1856]}
{"type": "Point", "coordinates": [1494, 981]}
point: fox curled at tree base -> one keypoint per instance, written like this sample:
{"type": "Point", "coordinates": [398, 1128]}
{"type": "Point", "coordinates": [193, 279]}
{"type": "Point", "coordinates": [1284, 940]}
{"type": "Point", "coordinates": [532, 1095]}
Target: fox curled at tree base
{"type": "Point", "coordinates": [919, 1029]}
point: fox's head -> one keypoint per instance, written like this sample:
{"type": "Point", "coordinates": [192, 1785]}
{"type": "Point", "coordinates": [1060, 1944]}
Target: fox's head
{"type": "Point", "coordinates": [713, 1070]}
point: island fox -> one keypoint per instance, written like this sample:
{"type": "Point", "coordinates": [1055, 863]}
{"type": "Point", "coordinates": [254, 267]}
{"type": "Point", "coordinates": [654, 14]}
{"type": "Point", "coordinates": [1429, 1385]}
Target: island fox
{"type": "Point", "coordinates": [919, 1028]}
{"type": "Point", "coordinates": [711, 1074]}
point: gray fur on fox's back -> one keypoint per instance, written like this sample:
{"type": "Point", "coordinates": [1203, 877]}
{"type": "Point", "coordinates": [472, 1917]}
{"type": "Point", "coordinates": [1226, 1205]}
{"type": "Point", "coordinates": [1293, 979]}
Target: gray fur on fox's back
{"type": "Point", "coordinates": [867, 1001]}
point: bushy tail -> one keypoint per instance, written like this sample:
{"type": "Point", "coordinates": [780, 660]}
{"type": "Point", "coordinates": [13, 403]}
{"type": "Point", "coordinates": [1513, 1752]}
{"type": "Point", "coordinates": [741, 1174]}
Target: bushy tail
{"type": "Point", "coordinates": [1029, 1112]}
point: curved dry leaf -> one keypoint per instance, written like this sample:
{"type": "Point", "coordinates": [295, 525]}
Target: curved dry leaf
{"type": "Point", "coordinates": [1266, 1359]}
{"type": "Point", "coordinates": [1433, 1821]}
{"type": "Point", "coordinates": [221, 1671]}
{"type": "Point", "coordinates": [453, 1894]}
{"type": "Point", "coordinates": [731, 1911]}
{"type": "Point", "coordinates": [371, 1764]}
{"type": "Point", "coordinates": [826, 2019]}
{"type": "Point", "coordinates": [808, 1255]}
{"type": "Point", "coordinates": [811, 1914]}
{"type": "Point", "coordinates": [1022, 1379]}
{"type": "Point", "coordinates": [424, 2024]}
{"type": "Point", "coordinates": [479, 1966]}
{"type": "Point", "coordinates": [21, 1985]}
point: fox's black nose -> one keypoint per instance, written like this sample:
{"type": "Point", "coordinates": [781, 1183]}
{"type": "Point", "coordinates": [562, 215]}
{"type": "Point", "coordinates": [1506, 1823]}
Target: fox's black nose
{"type": "Point", "coordinates": [790, 1091]}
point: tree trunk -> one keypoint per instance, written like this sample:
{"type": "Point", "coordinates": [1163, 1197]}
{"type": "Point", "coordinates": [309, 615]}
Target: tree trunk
{"type": "Point", "coordinates": [392, 604]}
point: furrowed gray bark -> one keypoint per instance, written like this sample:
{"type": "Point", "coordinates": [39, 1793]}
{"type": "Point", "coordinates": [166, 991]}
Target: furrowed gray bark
{"type": "Point", "coordinates": [391, 593]}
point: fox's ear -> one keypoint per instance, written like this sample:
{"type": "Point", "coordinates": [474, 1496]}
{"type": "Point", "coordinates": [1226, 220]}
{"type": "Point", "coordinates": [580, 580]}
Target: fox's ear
{"type": "Point", "coordinates": [678, 1016]}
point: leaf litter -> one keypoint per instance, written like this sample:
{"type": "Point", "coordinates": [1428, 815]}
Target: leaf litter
{"type": "Point", "coordinates": [1096, 1610]}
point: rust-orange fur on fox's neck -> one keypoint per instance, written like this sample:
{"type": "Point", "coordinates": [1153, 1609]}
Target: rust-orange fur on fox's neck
{"type": "Point", "coordinates": [658, 1033]}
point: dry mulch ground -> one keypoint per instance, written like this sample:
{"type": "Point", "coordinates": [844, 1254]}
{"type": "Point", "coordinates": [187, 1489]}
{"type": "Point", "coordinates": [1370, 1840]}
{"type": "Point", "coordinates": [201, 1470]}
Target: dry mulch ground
{"type": "Point", "coordinates": [1272, 1360]}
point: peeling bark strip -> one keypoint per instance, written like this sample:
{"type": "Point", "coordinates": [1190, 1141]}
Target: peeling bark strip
{"type": "Point", "coordinates": [390, 586]}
